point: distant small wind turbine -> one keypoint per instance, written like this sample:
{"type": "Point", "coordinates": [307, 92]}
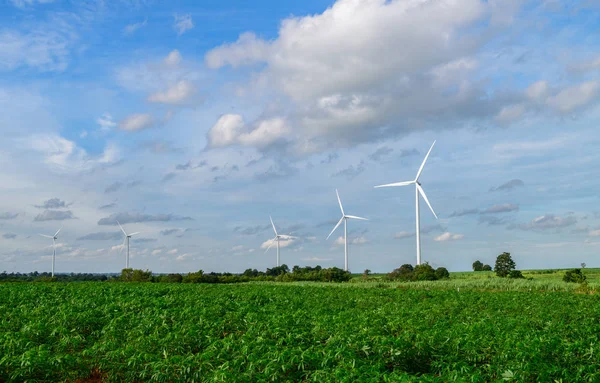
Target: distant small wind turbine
{"type": "Point", "coordinates": [54, 238]}
{"type": "Point", "coordinates": [276, 239]}
{"type": "Point", "coordinates": [127, 237]}
{"type": "Point", "coordinates": [344, 218]}
{"type": "Point", "coordinates": [418, 190]}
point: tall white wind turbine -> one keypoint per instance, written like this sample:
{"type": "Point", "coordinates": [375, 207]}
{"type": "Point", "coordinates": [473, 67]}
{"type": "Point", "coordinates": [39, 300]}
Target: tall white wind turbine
{"type": "Point", "coordinates": [126, 239]}
{"type": "Point", "coordinates": [344, 218]}
{"type": "Point", "coordinates": [418, 190]}
{"type": "Point", "coordinates": [54, 238]}
{"type": "Point", "coordinates": [276, 239]}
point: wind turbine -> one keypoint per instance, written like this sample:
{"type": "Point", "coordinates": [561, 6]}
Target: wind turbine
{"type": "Point", "coordinates": [54, 238]}
{"type": "Point", "coordinates": [418, 190]}
{"type": "Point", "coordinates": [127, 236]}
{"type": "Point", "coordinates": [276, 238]}
{"type": "Point", "coordinates": [344, 218]}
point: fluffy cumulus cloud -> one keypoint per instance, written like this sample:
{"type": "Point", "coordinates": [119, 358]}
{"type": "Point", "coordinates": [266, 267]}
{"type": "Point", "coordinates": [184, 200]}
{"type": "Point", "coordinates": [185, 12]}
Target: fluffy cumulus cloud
{"type": "Point", "coordinates": [64, 155]}
{"type": "Point", "coordinates": [124, 218]}
{"type": "Point", "coordinates": [403, 235]}
{"type": "Point", "coordinates": [349, 88]}
{"type": "Point", "coordinates": [176, 94]}
{"type": "Point", "coordinates": [573, 97]}
{"type": "Point", "coordinates": [447, 236]}
{"type": "Point", "coordinates": [135, 122]}
{"type": "Point", "coordinates": [231, 130]}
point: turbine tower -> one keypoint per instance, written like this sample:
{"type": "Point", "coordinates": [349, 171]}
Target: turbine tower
{"type": "Point", "coordinates": [276, 239]}
{"type": "Point", "coordinates": [344, 218]}
{"type": "Point", "coordinates": [54, 238]}
{"type": "Point", "coordinates": [418, 190]}
{"type": "Point", "coordinates": [127, 237]}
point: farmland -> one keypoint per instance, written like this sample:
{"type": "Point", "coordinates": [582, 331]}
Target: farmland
{"type": "Point", "coordinates": [114, 332]}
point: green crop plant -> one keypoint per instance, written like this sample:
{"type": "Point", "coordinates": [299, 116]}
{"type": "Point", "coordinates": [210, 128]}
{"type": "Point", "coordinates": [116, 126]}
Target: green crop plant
{"type": "Point", "coordinates": [424, 331]}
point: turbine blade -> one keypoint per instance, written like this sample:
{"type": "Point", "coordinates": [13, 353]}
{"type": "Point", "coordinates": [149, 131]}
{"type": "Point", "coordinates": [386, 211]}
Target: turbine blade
{"type": "Point", "coordinates": [122, 246]}
{"type": "Point", "coordinates": [132, 234]}
{"type": "Point", "coordinates": [47, 236]}
{"type": "Point", "coordinates": [423, 164]}
{"type": "Point", "coordinates": [422, 192]}
{"type": "Point", "coordinates": [336, 226]}
{"type": "Point", "coordinates": [58, 231]}
{"type": "Point", "coordinates": [272, 224]}
{"type": "Point", "coordinates": [396, 184]}
{"type": "Point", "coordinates": [270, 244]}
{"type": "Point", "coordinates": [340, 201]}
{"type": "Point", "coordinates": [123, 230]}
{"type": "Point", "coordinates": [355, 217]}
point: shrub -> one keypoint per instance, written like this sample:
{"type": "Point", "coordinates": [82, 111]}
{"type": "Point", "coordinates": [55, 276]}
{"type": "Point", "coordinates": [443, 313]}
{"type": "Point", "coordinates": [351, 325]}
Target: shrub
{"type": "Point", "coordinates": [504, 265]}
{"type": "Point", "coordinates": [403, 273]}
{"type": "Point", "coordinates": [442, 273]}
{"type": "Point", "coordinates": [575, 276]}
{"type": "Point", "coordinates": [486, 268]}
{"type": "Point", "coordinates": [424, 272]}
{"type": "Point", "coordinates": [477, 266]}
{"type": "Point", "coordinates": [515, 274]}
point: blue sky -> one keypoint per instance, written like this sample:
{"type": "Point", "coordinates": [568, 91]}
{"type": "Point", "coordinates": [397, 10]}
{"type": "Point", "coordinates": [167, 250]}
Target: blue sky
{"type": "Point", "coordinates": [193, 124]}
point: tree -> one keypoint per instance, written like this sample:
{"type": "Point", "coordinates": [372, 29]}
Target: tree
{"type": "Point", "coordinates": [477, 266]}
{"type": "Point", "coordinates": [403, 273]}
{"type": "Point", "coordinates": [442, 273]}
{"type": "Point", "coordinates": [515, 274]}
{"type": "Point", "coordinates": [575, 276]}
{"type": "Point", "coordinates": [486, 268]}
{"type": "Point", "coordinates": [504, 265]}
{"type": "Point", "coordinates": [424, 272]}
{"type": "Point", "coordinates": [583, 265]}
{"type": "Point", "coordinates": [366, 274]}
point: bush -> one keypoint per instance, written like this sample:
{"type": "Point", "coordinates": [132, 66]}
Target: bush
{"type": "Point", "coordinates": [442, 273]}
{"type": "Point", "coordinates": [504, 265]}
{"type": "Point", "coordinates": [574, 276]}
{"type": "Point", "coordinates": [486, 268]}
{"type": "Point", "coordinates": [172, 278]}
{"type": "Point", "coordinates": [515, 274]}
{"type": "Point", "coordinates": [424, 272]}
{"type": "Point", "coordinates": [403, 273]}
{"type": "Point", "coordinates": [477, 266]}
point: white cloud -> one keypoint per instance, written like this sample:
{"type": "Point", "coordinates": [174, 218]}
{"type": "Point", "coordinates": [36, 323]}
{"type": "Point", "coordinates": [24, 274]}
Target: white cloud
{"type": "Point", "coordinates": [184, 257]}
{"type": "Point", "coordinates": [246, 50]}
{"type": "Point", "coordinates": [173, 58]}
{"type": "Point", "coordinates": [316, 259]}
{"type": "Point", "coordinates": [173, 251]}
{"type": "Point", "coordinates": [106, 122]}
{"type": "Point", "coordinates": [237, 248]}
{"type": "Point", "coordinates": [156, 252]}
{"type": "Point", "coordinates": [448, 237]}
{"type": "Point", "coordinates": [45, 50]}
{"type": "Point", "coordinates": [176, 94]}
{"type": "Point", "coordinates": [136, 122]}
{"type": "Point", "coordinates": [573, 97]}
{"type": "Point", "coordinates": [25, 3]}
{"type": "Point", "coordinates": [282, 243]}
{"type": "Point", "coordinates": [510, 113]}
{"type": "Point", "coordinates": [537, 91]}
{"type": "Point", "coordinates": [183, 23]}
{"type": "Point", "coordinates": [129, 29]}
{"type": "Point", "coordinates": [64, 155]}
{"type": "Point", "coordinates": [359, 240]}
{"type": "Point", "coordinates": [594, 233]}
{"type": "Point", "coordinates": [403, 234]}
{"type": "Point", "coordinates": [231, 130]}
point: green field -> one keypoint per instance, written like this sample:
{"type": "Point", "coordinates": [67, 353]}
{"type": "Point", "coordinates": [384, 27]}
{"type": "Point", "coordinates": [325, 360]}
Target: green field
{"type": "Point", "coordinates": [311, 332]}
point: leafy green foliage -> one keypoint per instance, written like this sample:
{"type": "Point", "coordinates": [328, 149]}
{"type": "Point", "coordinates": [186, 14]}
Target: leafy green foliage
{"type": "Point", "coordinates": [486, 268]}
{"type": "Point", "coordinates": [504, 264]}
{"type": "Point", "coordinates": [515, 274]}
{"type": "Point", "coordinates": [266, 332]}
{"type": "Point", "coordinates": [575, 276]}
{"type": "Point", "coordinates": [477, 266]}
{"type": "Point", "coordinates": [442, 273]}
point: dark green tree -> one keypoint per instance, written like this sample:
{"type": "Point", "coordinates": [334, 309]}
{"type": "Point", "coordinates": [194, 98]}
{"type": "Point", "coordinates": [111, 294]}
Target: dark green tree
{"type": "Point", "coordinates": [477, 266]}
{"type": "Point", "coordinates": [504, 265]}
{"type": "Point", "coordinates": [575, 276]}
{"type": "Point", "coordinates": [424, 272]}
{"type": "Point", "coordinates": [486, 268]}
{"type": "Point", "coordinates": [442, 273]}
{"type": "Point", "coordinates": [515, 274]}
